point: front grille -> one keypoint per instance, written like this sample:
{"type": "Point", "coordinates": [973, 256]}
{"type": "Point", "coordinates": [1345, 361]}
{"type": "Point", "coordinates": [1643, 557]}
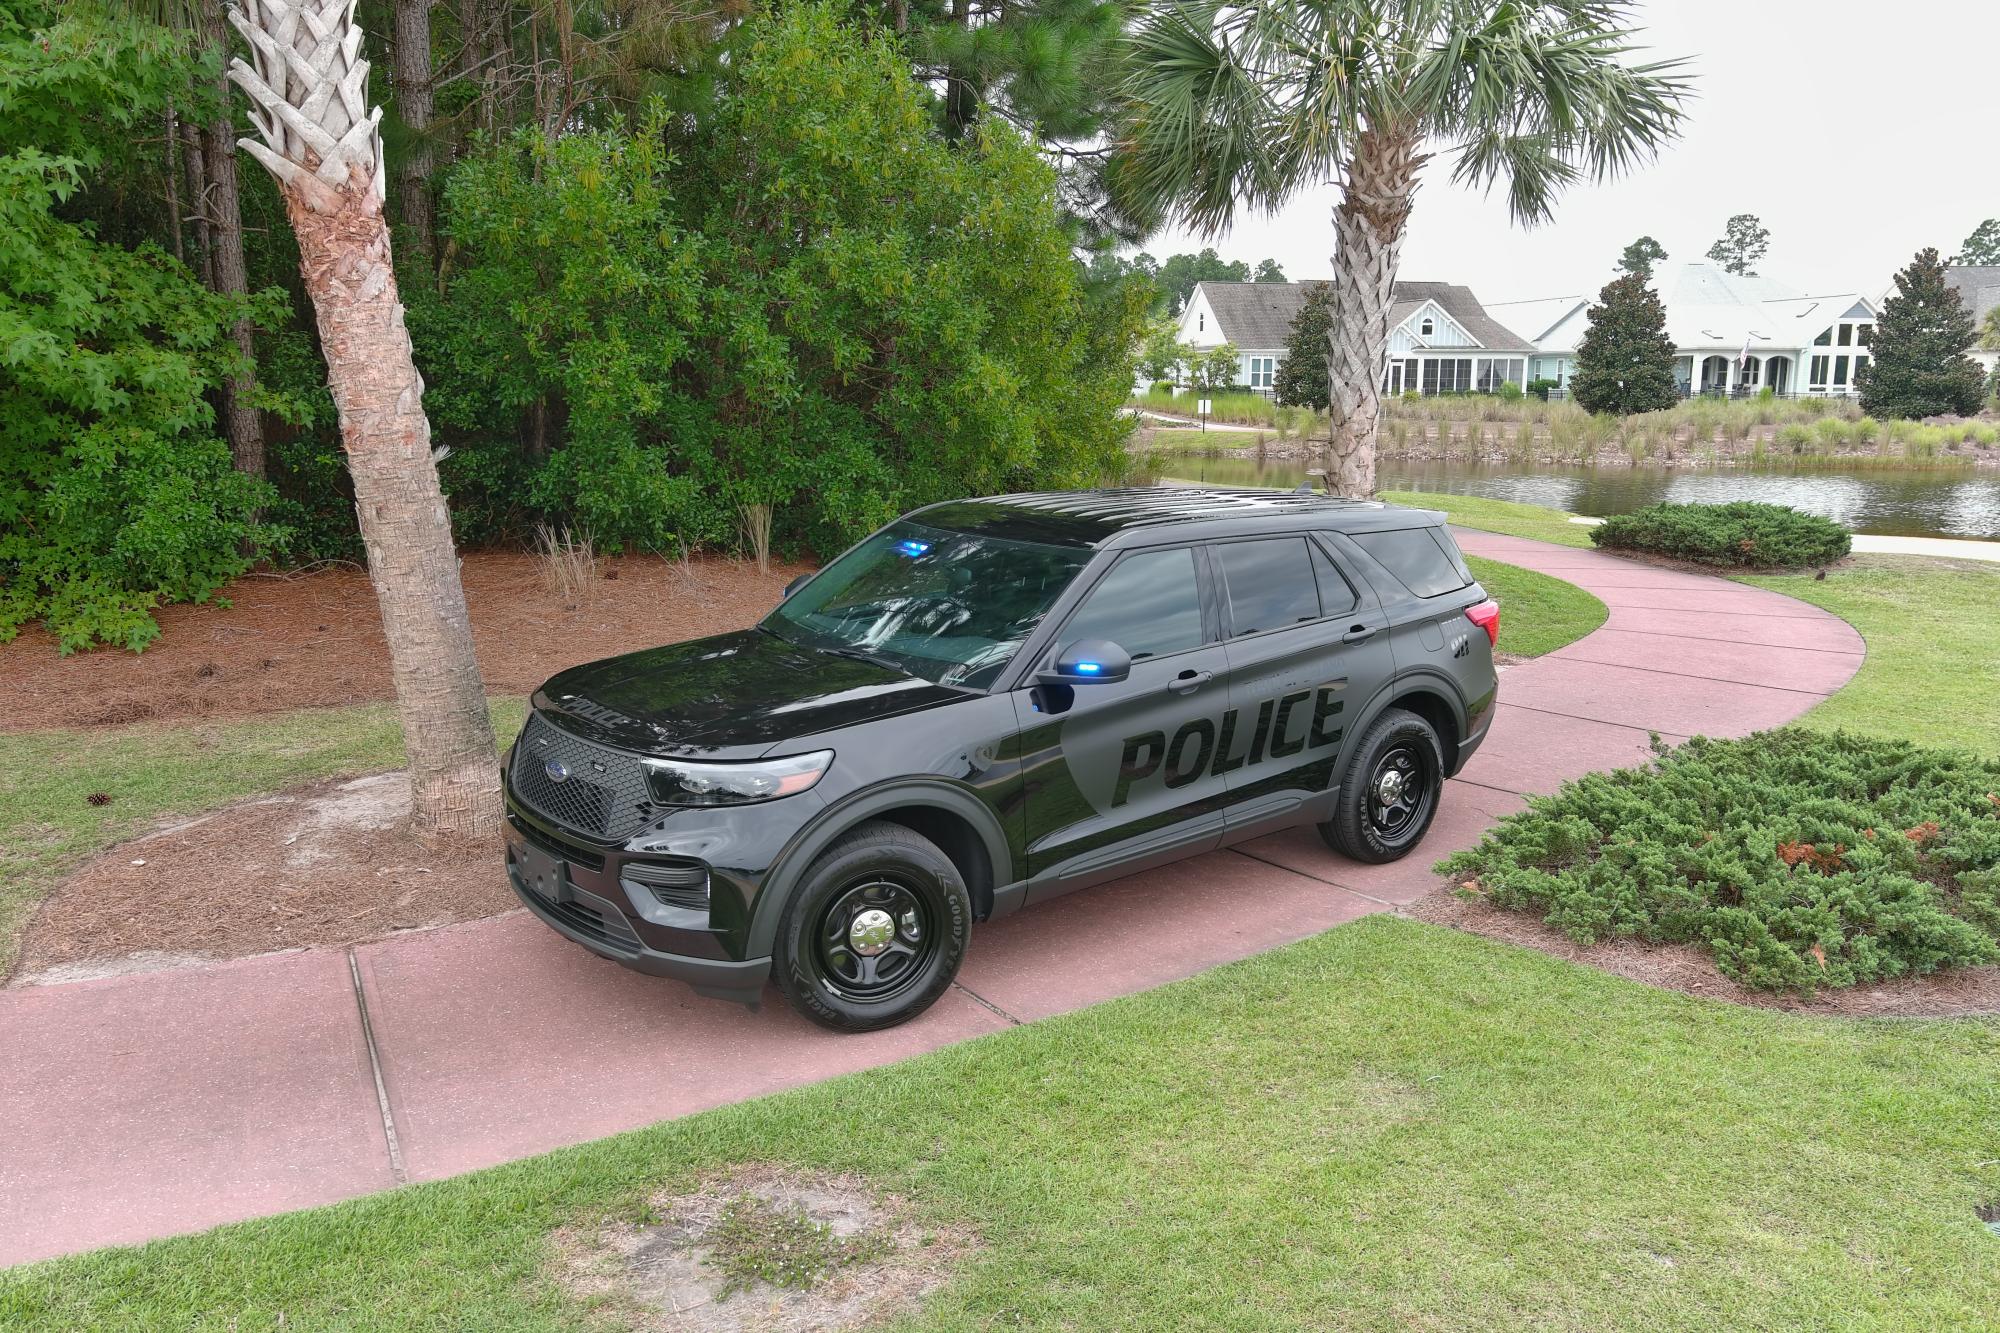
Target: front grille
{"type": "Point", "coordinates": [672, 884]}
{"type": "Point", "coordinates": [582, 915]}
{"type": "Point", "coordinates": [605, 793]}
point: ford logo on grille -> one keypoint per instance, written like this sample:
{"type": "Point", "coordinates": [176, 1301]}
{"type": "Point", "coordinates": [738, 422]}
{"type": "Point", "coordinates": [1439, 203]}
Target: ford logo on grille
{"type": "Point", "coordinates": [557, 770]}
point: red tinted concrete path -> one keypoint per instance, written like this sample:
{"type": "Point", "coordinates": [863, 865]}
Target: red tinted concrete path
{"type": "Point", "coordinates": [142, 1106]}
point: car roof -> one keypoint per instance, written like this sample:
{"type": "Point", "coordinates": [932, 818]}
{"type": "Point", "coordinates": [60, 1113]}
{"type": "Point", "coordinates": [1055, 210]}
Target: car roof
{"type": "Point", "coordinates": [1147, 515]}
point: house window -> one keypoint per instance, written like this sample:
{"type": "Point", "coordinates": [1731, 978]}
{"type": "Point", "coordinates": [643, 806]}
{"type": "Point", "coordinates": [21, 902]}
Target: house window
{"type": "Point", "coordinates": [1859, 362]}
{"type": "Point", "coordinates": [1864, 334]}
{"type": "Point", "coordinates": [1825, 338]}
{"type": "Point", "coordinates": [1201, 323]}
{"type": "Point", "coordinates": [1428, 327]}
{"type": "Point", "coordinates": [1818, 379]}
{"type": "Point", "coordinates": [1839, 372]}
{"type": "Point", "coordinates": [1263, 370]}
{"type": "Point", "coordinates": [1430, 378]}
{"type": "Point", "coordinates": [1847, 335]}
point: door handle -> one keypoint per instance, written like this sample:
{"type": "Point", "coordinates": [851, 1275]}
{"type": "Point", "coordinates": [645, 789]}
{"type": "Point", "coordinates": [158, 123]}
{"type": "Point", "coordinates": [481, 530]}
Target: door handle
{"type": "Point", "coordinates": [1190, 681]}
{"type": "Point", "coordinates": [1359, 633]}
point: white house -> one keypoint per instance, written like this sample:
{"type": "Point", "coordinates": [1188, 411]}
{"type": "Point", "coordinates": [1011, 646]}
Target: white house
{"type": "Point", "coordinates": [1978, 285]}
{"type": "Point", "coordinates": [1733, 334]}
{"type": "Point", "coordinates": [1441, 340]}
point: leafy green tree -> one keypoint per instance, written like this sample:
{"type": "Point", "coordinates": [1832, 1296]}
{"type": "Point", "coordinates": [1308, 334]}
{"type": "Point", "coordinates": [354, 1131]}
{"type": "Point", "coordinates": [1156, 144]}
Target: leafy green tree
{"type": "Point", "coordinates": [1743, 245]}
{"type": "Point", "coordinates": [1989, 333]}
{"type": "Point", "coordinates": [1982, 247]}
{"type": "Point", "coordinates": [116, 492]}
{"type": "Point", "coordinates": [1301, 379]}
{"type": "Point", "coordinates": [1210, 370]}
{"type": "Point", "coordinates": [1227, 103]}
{"type": "Point", "coordinates": [1181, 274]}
{"type": "Point", "coordinates": [806, 300]}
{"type": "Point", "coordinates": [1919, 366]}
{"type": "Point", "coordinates": [1625, 362]}
{"type": "Point", "coordinates": [1268, 271]}
{"type": "Point", "coordinates": [1160, 352]}
{"type": "Point", "coordinates": [1641, 257]}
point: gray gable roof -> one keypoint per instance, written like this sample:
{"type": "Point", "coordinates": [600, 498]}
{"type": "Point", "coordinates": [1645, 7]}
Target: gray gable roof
{"type": "Point", "coordinates": [1978, 285]}
{"type": "Point", "coordinates": [1258, 315]}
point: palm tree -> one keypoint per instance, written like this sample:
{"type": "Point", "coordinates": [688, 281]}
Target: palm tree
{"type": "Point", "coordinates": [309, 90]}
{"type": "Point", "coordinates": [1226, 103]}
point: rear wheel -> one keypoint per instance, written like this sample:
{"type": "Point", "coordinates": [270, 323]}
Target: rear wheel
{"type": "Point", "coordinates": [1391, 791]}
{"type": "Point", "coordinates": [876, 931]}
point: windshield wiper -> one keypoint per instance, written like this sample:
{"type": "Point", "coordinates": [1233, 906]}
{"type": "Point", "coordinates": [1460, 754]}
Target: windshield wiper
{"type": "Point", "coordinates": [863, 655]}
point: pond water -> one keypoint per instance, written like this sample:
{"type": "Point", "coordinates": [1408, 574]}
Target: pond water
{"type": "Point", "coordinates": [1916, 502]}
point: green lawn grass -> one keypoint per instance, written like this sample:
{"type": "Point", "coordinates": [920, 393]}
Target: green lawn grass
{"type": "Point", "coordinates": [1932, 673]}
{"type": "Point", "coordinates": [1538, 614]}
{"type": "Point", "coordinates": [150, 772]}
{"type": "Point", "coordinates": [1504, 516]}
{"type": "Point", "coordinates": [1388, 1126]}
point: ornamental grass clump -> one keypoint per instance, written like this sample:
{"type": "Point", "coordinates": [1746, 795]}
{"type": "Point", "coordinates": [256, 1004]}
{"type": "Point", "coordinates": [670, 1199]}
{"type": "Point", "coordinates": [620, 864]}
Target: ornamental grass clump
{"type": "Point", "coordinates": [1799, 860]}
{"type": "Point", "coordinates": [1746, 535]}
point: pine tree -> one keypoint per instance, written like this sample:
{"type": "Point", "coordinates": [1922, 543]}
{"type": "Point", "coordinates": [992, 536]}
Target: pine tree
{"type": "Point", "coordinates": [1625, 362]}
{"type": "Point", "coordinates": [1640, 257]}
{"type": "Point", "coordinates": [1744, 242]}
{"type": "Point", "coordinates": [1920, 368]}
{"type": "Point", "coordinates": [1982, 247]}
{"type": "Point", "coordinates": [1302, 380]}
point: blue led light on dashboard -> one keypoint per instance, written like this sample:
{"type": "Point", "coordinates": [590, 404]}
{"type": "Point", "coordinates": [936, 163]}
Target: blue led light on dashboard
{"type": "Point", "coordinates": [910, 547]}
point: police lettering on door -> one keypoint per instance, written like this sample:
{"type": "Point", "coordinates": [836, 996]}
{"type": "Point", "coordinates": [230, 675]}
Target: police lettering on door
{"type": "Point", "coordinates": [1284, 726]}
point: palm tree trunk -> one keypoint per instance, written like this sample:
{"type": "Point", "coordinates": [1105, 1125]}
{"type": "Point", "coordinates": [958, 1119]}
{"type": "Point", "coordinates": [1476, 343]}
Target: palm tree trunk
{"type": "Point", "coordinates": [321, 142]}
{"type": "Point", "coordinates": [1369, 224]}
{"type": "Point", "coordinates": [412, 75]}
{"type": "Point", "coordinates": [229, 274]}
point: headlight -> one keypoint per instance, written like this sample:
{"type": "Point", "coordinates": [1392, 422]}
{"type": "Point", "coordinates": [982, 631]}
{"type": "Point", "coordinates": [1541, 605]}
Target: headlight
{"type": "Point", "coordinates": [683, 782]}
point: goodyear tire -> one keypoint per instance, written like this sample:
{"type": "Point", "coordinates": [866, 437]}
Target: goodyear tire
{"type": "Point", "coordinates": [875, 932]}
{"type": "Point", "coordinates": [1391, 791]}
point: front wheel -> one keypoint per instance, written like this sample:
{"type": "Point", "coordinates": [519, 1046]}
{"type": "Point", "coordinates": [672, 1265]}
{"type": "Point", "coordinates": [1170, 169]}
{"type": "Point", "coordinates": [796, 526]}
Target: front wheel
{"type": "Point", "coordinates": [875, 933]}
{"type": "Point", "coordinates": [1390, 792]}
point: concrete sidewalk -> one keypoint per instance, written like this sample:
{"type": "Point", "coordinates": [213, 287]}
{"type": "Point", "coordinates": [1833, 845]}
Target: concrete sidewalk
{"type": "Point", "coordinates": [148, 1105]}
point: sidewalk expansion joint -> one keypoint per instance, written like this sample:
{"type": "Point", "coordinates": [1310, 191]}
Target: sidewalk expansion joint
{"type": "Point", "coordinates": [985, 1003]}
{"type": "Point", "coordinates": [396, 1169]}
{"type": "Point", "coordinates": [1306, 874]}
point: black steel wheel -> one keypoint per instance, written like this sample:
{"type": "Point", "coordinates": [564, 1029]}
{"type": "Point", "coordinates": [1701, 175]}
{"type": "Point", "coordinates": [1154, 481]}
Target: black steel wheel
{"type": "Point", "coordinates": [1391, 790]}
{"type": "Point", "coordinates": [875, 932]}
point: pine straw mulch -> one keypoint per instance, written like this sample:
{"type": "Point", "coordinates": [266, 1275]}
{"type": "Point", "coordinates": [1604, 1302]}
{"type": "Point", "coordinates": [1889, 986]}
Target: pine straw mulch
{"type": "Point", "coordinates": [314, 639]}
{"type": "Point", "coordinates": [1955, 992]}
{"type": "Point", "coordinates": [325, 865]}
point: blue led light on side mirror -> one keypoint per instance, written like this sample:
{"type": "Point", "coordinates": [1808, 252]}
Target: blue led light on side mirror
{"type": "Point", "coordinates": [1088, 668]}
{"type": "Point", "coordinates": [1088, 661]}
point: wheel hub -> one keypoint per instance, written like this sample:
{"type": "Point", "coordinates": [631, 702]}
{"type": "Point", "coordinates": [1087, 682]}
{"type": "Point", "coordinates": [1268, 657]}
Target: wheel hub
{"type": "Point", "coordinates": [872, 932]}
{"type": "Point", "coordinates": [1389, 789]}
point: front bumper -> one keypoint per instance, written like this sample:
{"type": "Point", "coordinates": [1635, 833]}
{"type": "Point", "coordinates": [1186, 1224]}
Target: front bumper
{"type": "Point", "coordinates": [718, 978]}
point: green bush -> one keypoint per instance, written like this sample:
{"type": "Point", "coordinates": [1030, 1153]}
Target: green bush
{"type": "Point", "coordinates": [1540, 388]}
{"type": "Point", "coordinates": [1800, 860]}
{"type": "Point", "coordinates": [1746, 534]}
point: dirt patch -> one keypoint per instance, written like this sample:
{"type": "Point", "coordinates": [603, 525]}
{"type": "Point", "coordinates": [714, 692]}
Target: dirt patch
{"type": "Point", "coordinates": [326, 865]}
{"type": "Point", "coordinates": [315, 639]}
{"type": "Point", "coordinates": [1953, 993]}
{"type": "Point", "coordinates": [759, 1249]}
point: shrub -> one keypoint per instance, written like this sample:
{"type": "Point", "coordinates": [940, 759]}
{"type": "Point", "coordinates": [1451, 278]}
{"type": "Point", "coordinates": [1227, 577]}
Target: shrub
{"type": "Point", "coordinates": [1796, 436]}
{"type": "Point", "coordinates": [1798, 859]}
{"type": "Point", "coordinates": [1163, 387]}
{"type": "Point", "coordinates": [1746, 534]}
{"type": "Point", "coordinates": [1540, 388]}
{"type": "Point", "coordinates": [1510, 392]}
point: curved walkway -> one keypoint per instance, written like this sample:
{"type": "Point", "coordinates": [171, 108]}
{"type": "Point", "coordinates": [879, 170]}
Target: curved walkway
{"type": "Point", "coordinates": [147, 1105]}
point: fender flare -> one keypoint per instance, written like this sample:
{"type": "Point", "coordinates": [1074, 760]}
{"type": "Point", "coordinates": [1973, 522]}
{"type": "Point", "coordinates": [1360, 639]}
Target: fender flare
{"type": "Point", "coordinates": [806, 845]}
{"type": "Point", "coordinates": [1413, 681]}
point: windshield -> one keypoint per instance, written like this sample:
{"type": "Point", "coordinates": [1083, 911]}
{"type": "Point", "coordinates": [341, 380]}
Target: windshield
{"type": "Point", "coordinates": [952, 607]}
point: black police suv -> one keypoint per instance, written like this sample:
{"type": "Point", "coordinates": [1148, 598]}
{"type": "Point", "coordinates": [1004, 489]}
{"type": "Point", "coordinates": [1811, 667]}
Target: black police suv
{"type": "Point", "coordinates": [986, 704]}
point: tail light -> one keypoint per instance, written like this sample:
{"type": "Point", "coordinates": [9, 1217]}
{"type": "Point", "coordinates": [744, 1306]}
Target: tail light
{"type": "Point", "coordinates": [1486, 615]}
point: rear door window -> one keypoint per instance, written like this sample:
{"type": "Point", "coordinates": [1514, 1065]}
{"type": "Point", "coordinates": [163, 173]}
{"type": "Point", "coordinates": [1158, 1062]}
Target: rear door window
{"type": "Point", "coordinates": [1417, 560]}
{"type": "Point", "coordinates": [1149, 605]}
{"type": "Point", "coordinates": [1270, 584]}
{"type": "Point", "coordinates": [1336, 594]}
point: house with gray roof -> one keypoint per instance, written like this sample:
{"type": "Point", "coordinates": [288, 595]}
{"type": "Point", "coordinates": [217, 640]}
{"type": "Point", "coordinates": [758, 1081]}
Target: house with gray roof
{"type": "Point", "coordinates": [1978, 285]}
{"type": "Point", "coordinates": [1441, 339]}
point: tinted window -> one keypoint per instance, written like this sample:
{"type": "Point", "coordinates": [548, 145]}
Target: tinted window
{"type": "Point", "coordinates": [1336, 594]}
{"type": "Point", "coordinates": [1270, 584]}
{"type": "Point", "coordinates": [1149, 605]}
{"type": "Point", "coordinates": [1415, 558]}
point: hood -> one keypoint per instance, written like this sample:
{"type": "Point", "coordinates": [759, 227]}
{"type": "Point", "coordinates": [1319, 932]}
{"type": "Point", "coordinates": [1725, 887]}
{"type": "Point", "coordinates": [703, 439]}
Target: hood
{"type": "Point", "coordinates": [743, 692]}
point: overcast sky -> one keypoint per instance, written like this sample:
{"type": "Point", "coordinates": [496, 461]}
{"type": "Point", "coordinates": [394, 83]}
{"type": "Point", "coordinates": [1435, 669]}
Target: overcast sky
{"type": "Point", "coordinates": [1858, 130]}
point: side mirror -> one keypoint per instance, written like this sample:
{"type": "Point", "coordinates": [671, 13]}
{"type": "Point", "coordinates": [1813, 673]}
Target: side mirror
{"type": "Point", "coordinates": [1088, 662]}
{"type": "Point", "coordinates": [795, 585]}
